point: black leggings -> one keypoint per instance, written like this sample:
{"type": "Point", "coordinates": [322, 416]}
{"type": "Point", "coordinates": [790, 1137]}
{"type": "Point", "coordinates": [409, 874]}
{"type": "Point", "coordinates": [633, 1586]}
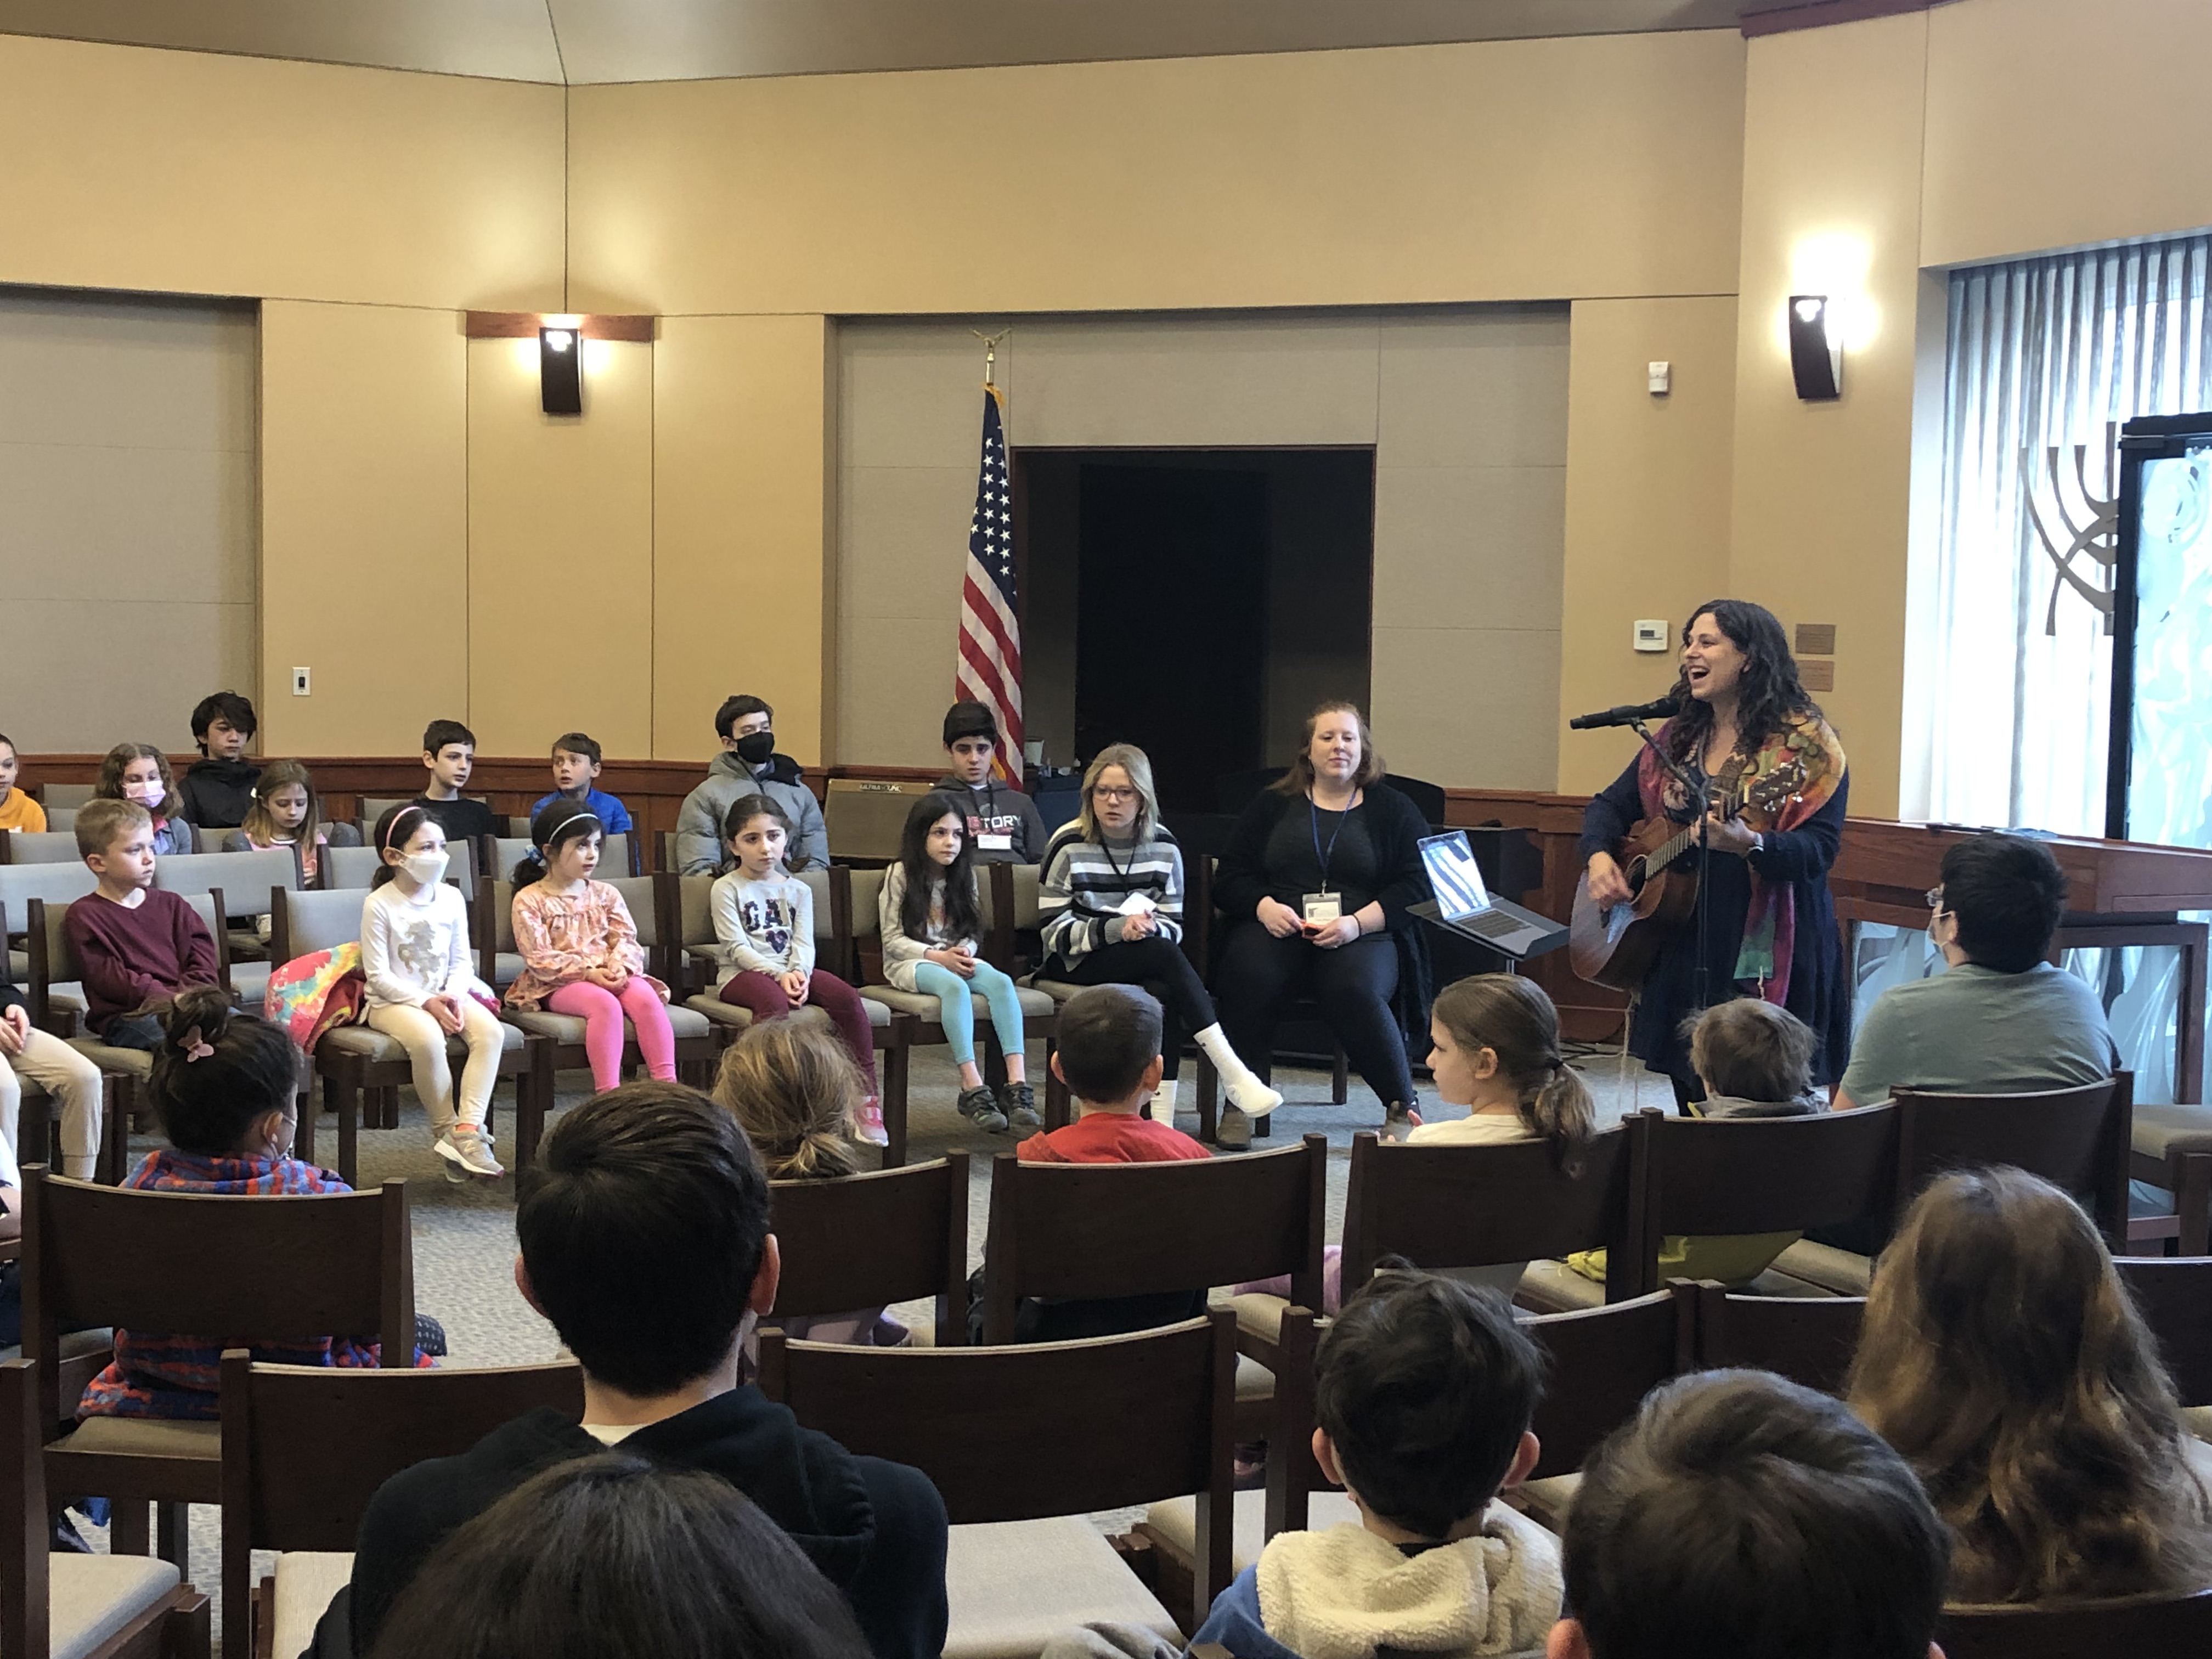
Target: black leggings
{"type": "Point", "coordinates": [1261, 975]}
{"type": "Point", "coordinates": [1161, 968]}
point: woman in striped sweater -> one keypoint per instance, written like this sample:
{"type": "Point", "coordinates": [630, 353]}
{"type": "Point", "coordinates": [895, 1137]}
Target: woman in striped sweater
{"type": "Point", "coordinates": [1111, 907]}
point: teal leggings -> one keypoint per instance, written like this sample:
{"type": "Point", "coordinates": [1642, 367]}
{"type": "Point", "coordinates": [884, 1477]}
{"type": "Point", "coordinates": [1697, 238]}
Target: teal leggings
{"type": "Point", "coordinates": [957, 1007]}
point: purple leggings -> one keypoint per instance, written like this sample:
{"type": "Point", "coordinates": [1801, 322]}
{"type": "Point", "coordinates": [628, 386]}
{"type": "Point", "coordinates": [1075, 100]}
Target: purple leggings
{"type": "Point", "coordinates": [602, 1010]}
{"type": "Point", "coordinates": [846, 1011]}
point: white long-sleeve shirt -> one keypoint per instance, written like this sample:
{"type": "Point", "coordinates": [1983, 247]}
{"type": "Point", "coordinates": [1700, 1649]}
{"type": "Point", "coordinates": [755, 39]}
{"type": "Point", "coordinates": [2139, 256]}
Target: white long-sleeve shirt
{"type": "Point", "coordinates": [901, 951]}
{"type": "Point", "coordinates": [413, 949]}
{"type": "Point", "coordinates": [763, 927]}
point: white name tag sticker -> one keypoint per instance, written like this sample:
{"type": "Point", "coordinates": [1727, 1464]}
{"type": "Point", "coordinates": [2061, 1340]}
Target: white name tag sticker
{"type": "Point", "coordinates": [1321, 909]}
{"type": "Point", "coordinates": [994, 844]}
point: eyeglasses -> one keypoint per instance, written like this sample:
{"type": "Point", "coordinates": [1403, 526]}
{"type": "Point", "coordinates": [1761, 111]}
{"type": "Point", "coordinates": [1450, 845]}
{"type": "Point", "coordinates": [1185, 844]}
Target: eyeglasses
{"type": "Point", "coordinates": [1934, 897]}
{"type": "Point", "coordinates": [1102, 793]}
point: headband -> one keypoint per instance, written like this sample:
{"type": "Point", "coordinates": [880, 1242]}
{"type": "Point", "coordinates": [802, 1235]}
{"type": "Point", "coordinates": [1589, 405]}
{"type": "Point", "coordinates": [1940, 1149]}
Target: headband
{"type": "Point", "coordinates": [537, 848]}
{"type": "Point", "coordinates": [399, 818]}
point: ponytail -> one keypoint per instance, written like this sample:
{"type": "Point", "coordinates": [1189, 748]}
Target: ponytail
{"type": "Point", "coordinates": [218, 1070]}
{"type": "Point", "coordinates": [792, 1089]}
{"type": "Point", "coordinates": [1512, 1017]}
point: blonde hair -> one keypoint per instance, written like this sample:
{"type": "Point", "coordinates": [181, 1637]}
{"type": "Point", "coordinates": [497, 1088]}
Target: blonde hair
{"type": "Point", "coordinates": [2003, 1358]}
{"type": "Point", "coordinates": [1134, 761]}
{"type": "Point", "coordinates": [1513, 1019]}
{"type": "Point", "coordinates": [792, 1088]}
{"type": "Point", "coordinates": [101, 820]}
{"type": "Point", "coordinates": [260, 825]}
{"type": "Point", "coordinates": [109, 787]}
{"type": "Point", "coordinates": [1300, 777]}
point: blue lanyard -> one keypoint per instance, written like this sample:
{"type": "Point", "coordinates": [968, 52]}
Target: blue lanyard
{"type": "Point", "coordinates": [1325, 859]}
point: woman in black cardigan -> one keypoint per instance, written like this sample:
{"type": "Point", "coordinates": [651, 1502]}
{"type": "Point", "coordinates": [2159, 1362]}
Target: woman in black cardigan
{"type": "Point", "coordinates": [1315, 879]}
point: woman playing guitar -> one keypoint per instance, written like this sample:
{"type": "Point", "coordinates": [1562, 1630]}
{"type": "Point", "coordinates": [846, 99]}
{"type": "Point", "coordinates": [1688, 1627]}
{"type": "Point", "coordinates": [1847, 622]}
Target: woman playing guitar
{"type": "Point", "coordinates": [1770, 924]}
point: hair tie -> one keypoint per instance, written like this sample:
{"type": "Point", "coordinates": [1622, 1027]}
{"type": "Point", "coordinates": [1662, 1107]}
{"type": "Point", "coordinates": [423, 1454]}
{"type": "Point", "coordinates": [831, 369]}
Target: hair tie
{"type": "Point", "coordinates": [194, 1046]}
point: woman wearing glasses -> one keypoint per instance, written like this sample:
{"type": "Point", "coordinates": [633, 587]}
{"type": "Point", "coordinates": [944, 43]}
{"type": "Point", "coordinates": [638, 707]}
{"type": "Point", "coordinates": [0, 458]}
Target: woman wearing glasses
{"type": "Point", "coordinates": [1111, 908]}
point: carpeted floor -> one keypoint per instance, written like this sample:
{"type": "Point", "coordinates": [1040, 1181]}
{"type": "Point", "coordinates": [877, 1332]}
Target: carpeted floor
{"type": "Point", "coordinates": [464, 1235]}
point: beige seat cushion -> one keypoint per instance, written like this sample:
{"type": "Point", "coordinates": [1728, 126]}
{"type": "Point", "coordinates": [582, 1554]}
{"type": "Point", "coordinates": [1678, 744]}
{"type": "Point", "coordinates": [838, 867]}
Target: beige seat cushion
{"type": "Point", "coordinates": [1841, 1272]}
{"type": "Point", "coordinates": [307, 1580]}
{"type": "Point", "coordinates": [1554, 1284]}
{"type": "Point", "coordinates": [1259, 1314]}
{"type": "Point", "coordinates": [2197, 1419]}
{"type": "Point", "coordinates": [569, 1028]}
{"type": "Point", "coordinates": [1013, 1586]}
{"type": "Point", "coordinates": [720, 1012]}
{"type": "Point", "coordinates": [1058, 989]}
{"type": "Point", "coordinates": [90, 1598]}
{"type": "Point", "coordinates": [1036, 1005]}
{"type": "Point", "coordinates": [143, 1437]}
{"type": "Point", "coordinates": [1545, 1502]}
{"type": "Point", "coordinates": [2161, 1130]}
{"type": "Point", "coordinates": [377, 1048]}
{"type": "Point", "coordinates": [125, 1062]}
{"type": "Point", "coordinates": [1175, 1522]}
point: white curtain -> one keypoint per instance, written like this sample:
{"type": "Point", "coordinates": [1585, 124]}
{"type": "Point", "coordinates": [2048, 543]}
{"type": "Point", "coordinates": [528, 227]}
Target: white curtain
{"type": "Point", "coordinates": [2046, 358]}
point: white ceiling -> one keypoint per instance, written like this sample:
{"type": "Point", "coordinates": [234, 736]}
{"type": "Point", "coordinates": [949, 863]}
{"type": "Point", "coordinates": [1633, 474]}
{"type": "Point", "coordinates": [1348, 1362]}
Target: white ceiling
{"type": "Point", "coordinates": [588, 41]}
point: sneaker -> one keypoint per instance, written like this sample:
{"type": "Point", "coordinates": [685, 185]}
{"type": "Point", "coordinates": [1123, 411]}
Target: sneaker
{"type": "Point", "coordinates": [868, 1121]}
{"type": "Point", "coordinates": [1018, 1102]}
{"type": "Point", "coordinates": [1400, 1121]}
{"type": "Point", "coordinates": [454, 1174]}
{"type": "Point", "coordinates": [1233, 1134]}
{"type": "Point", "coordinates": [470, 1148]}
{"type": "Point", "coordinates": [1251, 1096]}
{"type": "Point", "coordinates": [981, 1107]}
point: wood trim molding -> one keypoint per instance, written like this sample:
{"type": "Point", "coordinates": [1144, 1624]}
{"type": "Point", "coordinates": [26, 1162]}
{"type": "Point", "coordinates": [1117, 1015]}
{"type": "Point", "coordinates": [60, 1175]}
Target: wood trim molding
{"type": "Point", "coordinates": [525, 325]}
{"type": "Point", "coordinates": [1786, 16]}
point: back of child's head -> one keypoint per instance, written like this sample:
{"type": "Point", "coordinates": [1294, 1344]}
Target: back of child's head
{"type": "Point", "coordinates": [118, 761]}
{"type": "Point", "coordinates": [616, 1555]}
{"type": "Point", "coordinates": [1509, 1015]}
{"type": "Point", "coordinates": [579, 744]}
{"type": "Point", "coordinates": [2001, 1355]}
{"type": "Point", "coordinates": [394, 829]}
{"type": "Point", "coordinates": [642, 1223]}
{"type": "Point", "coordinates": [100, 822]}
{"type": "Point", "coordinates": [1750, 1049]}
{"type": "Point", "coordinates": [443, 734]}
{"type": "Point", "coordinates": [1740, 1516]}
{"type": "Point", "coordinates": [556, 824]}
{"type": "Point", "coordinates": [792, 1087]}
{"type": "Point", "coordinates": [745, 808]}
{"type": "Point", "coordinates": [260, 819]}
{"type": "Point", "coordinates": [1106, 1037]}
{"type": "Point", "coordinates": [217, 1071]}
{"type": "Point", "coordinates": [234, 709]}
{"type": "Point", "coordinates": [1425, 1386]}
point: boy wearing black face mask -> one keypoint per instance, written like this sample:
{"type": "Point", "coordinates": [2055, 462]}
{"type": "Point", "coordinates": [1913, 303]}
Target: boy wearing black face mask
{"type": "Point", "coordinates": [748, 765]}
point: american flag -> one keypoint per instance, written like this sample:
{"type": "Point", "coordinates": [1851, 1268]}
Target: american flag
{"type": "Point", "coordinates": [990, 666]}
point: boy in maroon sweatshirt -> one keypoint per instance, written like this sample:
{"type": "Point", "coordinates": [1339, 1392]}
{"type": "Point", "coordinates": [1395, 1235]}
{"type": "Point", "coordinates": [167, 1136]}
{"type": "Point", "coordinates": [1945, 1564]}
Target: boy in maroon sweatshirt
{"type": "Point", "coordinates": [136, 947]}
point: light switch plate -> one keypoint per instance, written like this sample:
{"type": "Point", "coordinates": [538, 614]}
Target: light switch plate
{"type": "Point", "coordinates": [302, 682]}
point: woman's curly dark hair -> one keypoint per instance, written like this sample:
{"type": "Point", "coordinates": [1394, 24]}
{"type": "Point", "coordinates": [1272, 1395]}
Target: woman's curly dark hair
{"type": "Point", "coordinates": [1770, 696]}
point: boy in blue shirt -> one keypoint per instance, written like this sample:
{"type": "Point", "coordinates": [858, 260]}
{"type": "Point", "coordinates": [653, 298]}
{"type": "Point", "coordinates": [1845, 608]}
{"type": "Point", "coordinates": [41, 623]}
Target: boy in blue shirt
{"type": "Point", "coordinates": [575, 770]}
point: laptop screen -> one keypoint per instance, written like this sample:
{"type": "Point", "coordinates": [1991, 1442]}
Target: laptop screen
{"type": "Point", "coordinates": [1453, 876]}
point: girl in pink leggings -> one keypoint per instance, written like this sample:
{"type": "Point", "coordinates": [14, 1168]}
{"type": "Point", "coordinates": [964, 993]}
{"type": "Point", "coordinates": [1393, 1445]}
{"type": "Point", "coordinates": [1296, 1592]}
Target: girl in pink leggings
{"type": "Point", "coordinates": [579, 950]}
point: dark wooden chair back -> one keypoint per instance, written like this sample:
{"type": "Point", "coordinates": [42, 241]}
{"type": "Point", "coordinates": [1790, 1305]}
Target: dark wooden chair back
{"type": "Point", "coordinates": [974, 1420]}
{"type": "Point", "coordinates": [865, 1240]}
{"type": "Point", "coordinates": [336, 1265]}
{"type": "Point", "coordinates": [2175, 1296]}
{"type": "Point", "coordinates": [2176, 1627]}
{"type": "Point", "coordinates": [2076, 1139]}
{"type": "Point", "coordinates": [1474, 1207]}
{"type": "Point", "coordinates": [1114, 1230]}
{"type": "Point", "coordinates": [1768, 1175]}
{"type": "Point", "coordinates": [1604, 1361]}
{"type": "Point", "coordinates": [1807, 1339]}
{"type": "Point", "coordinates": [304, 1448]}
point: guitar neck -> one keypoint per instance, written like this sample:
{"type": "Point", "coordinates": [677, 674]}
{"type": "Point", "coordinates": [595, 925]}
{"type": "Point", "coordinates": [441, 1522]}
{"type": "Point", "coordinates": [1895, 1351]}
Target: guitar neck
{"type": "Point", "coordinates": [1731, 805]}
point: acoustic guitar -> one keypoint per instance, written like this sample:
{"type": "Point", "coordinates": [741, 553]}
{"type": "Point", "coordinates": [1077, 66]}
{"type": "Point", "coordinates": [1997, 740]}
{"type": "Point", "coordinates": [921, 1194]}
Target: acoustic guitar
{"type": "Point", "coordinates": [1615, 945]}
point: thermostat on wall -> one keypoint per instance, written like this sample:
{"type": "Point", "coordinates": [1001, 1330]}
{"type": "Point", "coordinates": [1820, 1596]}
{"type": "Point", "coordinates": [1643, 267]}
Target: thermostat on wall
{"type": "Point", "coordinates": [1650, 635]}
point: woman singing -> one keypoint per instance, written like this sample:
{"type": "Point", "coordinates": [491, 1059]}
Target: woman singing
{"type": "Point", "coordinates": [1770, 927]}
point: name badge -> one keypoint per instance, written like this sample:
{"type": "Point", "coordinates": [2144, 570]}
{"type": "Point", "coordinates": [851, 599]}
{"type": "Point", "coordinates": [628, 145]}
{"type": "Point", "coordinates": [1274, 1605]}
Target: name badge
{"type": "Point", "coordinates": [1321, 909]}
{"type": "Point", "coordinates": [994, 844]}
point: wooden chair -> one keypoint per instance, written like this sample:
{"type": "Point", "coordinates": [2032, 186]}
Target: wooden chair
{"type": "Point", "coordinates": [1807, 1339]}
{"type": "Point", "coordinates": [561, 1048]}
{"type": "Point", "coordinates": [2175, 1296]}
{"type": "Point", "coordinates": [342, 1265]}
{"type": "Point", "coordinates": [2171, 1146]}
{"type": "Point", "coordinates": [1476, 1206]}
{"type": "Point", "coordinates": [97, 1606]}
{"type": "Point", "coordinates": [2164, 1627]}
{"type": "Point", "coordinates": [866, 1241]}
{"type": "Point", "coordinates": [975, 1420]}
{"type": "Point", "coordinates": [245, 874]}
{"type": "Point", "coordinates": [354, 1060]}
{"type": "Point", "coordinates": [70, 795]}
{"type": "Point", "coordinates": [304, 1449]}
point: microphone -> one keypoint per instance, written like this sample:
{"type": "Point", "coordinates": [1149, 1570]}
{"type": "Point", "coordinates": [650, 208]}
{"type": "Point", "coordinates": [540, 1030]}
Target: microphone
{"type": "Point", "coordinates": [1627, 715]}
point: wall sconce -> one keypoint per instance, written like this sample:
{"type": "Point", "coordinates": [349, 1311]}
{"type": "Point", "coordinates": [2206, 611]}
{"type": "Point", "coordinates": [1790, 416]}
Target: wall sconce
{"type": "Point", "coordinates": [560, 347]}
{"type": "Point", "coordinates": [1816, 349]}
{"type": "Point", "coordinates": [559, 371]}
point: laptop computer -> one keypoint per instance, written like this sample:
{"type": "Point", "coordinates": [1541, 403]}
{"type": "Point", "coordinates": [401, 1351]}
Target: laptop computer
{"type": "Point", "coordinates": [1463, 902]}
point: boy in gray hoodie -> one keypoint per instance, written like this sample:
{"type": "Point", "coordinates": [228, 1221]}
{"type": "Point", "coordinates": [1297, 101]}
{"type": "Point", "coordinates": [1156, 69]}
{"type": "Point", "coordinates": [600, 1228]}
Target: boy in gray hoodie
{"type": "Point", "coordinates": [748, 765]}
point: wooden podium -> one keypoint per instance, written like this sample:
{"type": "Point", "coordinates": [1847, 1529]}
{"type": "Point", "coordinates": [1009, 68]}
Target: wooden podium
{"type": "Point", "coordinates": [2120, 893]}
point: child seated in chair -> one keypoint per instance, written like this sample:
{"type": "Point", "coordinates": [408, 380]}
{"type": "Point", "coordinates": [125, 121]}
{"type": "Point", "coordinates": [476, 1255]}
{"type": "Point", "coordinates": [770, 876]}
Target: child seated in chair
{"type": "Point", "coordinates": [1424, 1389]}
{"type": "Point", "coordinates": [576, 778]}
{"type": "Point", "coordinates": [794, 1090]}
{"type": "Point", "coordinates": [17, 809]}
{"type": "Point", "coordinates": [136, 946]}
{"type": "Point", "coordinates": [224, 1083]}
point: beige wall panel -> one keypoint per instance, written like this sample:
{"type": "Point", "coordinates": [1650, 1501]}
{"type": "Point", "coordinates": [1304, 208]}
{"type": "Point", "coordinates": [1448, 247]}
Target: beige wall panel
{"type": "Point", "coordinates": [193, 173]}
{"type": "Point", "coordinates": [1467, 707]}
{"type": "Point", "coordinates": [1531, 169]}
{"type": "Point", "coordinates": [1822, 490]}
{"type": "Point", "coordinates": [894, 684]}
{"type": "Point", "coordinates": [1477, 544]}
{"type": "Point", "coordinates": [156, 526]}
{"type": "Point", "coordinates": [742, 529]}
{"type": "Point", "coordinates": [1493, 396]}
{"type": "Point", "coordinates": [560, 583]}
{"type": "Point", "coordinates": [907, 530]}
{"type": "Point", "coordinates": [1647, 505]}
{"type": "Point", "coordinates": [364, 525]}
{"type": "Point", "coordinates": [2056, 123]}
{"type": "Point", "coordinates": [161, 659]}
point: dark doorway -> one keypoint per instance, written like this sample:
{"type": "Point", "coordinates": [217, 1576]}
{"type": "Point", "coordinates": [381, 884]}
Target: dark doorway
{"type": "Point", "coordinates": [1195, 603]}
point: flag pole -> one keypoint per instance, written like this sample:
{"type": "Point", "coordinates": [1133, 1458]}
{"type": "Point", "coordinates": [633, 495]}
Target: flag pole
{"type": "Point", "coordinates": [990, 352]}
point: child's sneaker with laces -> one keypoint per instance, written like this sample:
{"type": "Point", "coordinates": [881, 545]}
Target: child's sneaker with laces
{"type": "Point", "coordinates": [981, 1107]}
{"type": "Point", "coordinates": [868, 1122]}
{"type": "Point", "coordinates": [470, 1148]}
{"type": "Point", "coordinates": [1018, 1102]}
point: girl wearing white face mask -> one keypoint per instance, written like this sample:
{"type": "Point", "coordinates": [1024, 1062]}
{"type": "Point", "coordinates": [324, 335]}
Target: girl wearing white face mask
{"type": "Point", "coordinates": [423, 987]}
{"type": "Point", "coordinates": [140, 772]}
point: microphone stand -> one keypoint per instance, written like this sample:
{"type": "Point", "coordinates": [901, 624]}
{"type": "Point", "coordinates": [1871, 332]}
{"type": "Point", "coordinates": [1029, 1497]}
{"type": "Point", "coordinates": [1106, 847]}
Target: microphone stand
{"type": "Point", "coordinates": [1700, 789]}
